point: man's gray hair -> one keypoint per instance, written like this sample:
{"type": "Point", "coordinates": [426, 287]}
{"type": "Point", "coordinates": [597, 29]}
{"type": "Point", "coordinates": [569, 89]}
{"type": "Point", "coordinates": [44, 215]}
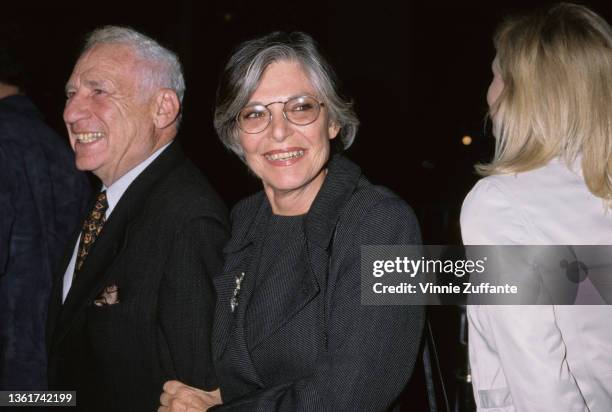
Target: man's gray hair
{"type": "Point", "coordinates": [246, 66]}
{"type": "Point", "coordinates": [165, 67]}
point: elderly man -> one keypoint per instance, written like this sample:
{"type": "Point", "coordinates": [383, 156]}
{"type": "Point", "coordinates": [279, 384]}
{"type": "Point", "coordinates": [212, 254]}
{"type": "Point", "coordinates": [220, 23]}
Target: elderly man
{"type": "Point", "coordinates": [132, 304]}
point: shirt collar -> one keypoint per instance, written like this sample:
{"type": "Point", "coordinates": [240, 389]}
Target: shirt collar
{"type": "Point", "coordinates": [118, 188]}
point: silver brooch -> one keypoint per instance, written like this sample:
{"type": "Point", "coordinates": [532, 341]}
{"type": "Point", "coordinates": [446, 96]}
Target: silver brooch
{"type": "Point", "coordinates": [234, 299]}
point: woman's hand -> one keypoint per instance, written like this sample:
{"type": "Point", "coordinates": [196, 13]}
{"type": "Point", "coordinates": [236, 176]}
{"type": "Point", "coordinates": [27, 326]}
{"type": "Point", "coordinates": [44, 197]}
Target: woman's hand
{"type": "Point", "coordinates": [178, 397]}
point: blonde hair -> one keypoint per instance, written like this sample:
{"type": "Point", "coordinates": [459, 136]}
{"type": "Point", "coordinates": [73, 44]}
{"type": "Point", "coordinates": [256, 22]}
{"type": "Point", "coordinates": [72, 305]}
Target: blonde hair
{"type": "Point", "coordinates": [556, 67]}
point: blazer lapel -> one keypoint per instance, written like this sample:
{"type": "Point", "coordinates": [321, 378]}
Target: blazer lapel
{"type": "Point", "coordinates": [284, 289]}
{"type": "Point", "coordinates": [238, 268]}
{"type": "Point", "coordinates": [87, 284]}
{"type": "Point", "coordinates": [240, 262]}
{"type": "Point", "coordinates": [55, 301]}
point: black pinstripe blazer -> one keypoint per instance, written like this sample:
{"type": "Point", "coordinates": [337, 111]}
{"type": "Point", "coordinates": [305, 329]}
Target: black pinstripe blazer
{"type": "Point", "coordinates": [159, 247]}
{"type": "Point", "coordinates": [300, 340]}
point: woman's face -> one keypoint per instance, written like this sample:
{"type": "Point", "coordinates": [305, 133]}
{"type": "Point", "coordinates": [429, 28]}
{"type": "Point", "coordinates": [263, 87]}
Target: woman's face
{"type": "Point", "coordinates": [288, 158]}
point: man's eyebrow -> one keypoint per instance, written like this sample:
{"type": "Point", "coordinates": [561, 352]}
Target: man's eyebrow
{"type": "Point", "coordinates": [90, 84]}
{"type": "Point", "coordinates": [69, 87]}
{"type": "Point", "coordinates": [94, 84]}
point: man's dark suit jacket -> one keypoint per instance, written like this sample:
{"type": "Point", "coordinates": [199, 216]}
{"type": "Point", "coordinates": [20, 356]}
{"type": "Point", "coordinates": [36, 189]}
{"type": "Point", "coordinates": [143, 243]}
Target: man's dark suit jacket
{"type": "Point", "coordinates": [300, 339]}
{"type": "Point", "coordinates": [160, 247]}
{"type": "Point", "coordinates": [42, 196]}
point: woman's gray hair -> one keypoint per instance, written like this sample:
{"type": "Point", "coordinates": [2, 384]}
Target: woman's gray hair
{"type": "Point", "coordinates": [246, 66]}
{"type": "Point", "coordinates": [164, 68]}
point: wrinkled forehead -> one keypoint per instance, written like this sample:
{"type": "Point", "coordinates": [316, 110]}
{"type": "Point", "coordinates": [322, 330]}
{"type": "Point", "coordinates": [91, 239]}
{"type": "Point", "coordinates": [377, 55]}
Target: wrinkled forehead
{"type": "Point", "coordinates": [112, 61]}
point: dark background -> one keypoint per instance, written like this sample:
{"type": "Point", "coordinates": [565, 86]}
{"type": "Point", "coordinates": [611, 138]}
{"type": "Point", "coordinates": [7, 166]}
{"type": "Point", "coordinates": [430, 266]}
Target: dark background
{"type": "Point", "coordinates": [418, 72]}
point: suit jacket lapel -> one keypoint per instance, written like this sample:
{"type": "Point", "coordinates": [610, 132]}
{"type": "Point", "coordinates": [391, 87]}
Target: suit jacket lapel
{"type": "Point", "coordinates": [96, 268]}
{"type": "Point", "coordinates": [239, 259]}
{"type": "Point", "coordinates": [55, 301]}
{"type": "Point", "coordinates": [284, 289]}
{"type": "Point", "coordinates": [86, 284]}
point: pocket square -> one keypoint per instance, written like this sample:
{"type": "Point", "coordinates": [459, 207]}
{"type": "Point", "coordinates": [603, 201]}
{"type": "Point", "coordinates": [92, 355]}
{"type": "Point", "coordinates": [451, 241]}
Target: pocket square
{"type": "Point", "coordinates": [109, 296]}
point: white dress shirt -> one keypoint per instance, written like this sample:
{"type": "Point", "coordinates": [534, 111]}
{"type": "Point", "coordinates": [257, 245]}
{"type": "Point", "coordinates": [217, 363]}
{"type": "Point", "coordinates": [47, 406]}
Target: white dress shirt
{"type": "Point", "coordinates": [539, 358]}
{"type": "Point", "coordinates": [113, 194]}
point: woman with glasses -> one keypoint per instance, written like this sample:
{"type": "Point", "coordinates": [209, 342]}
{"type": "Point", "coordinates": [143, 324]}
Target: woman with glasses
{"type": "Point", "coordinates": [290, 333]}
{"type": "Point", "coordinates": [550, 183]}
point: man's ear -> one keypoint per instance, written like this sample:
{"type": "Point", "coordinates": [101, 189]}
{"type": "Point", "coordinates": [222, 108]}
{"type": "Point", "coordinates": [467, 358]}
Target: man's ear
{"type": "Point", "coordinates": [166, 108]}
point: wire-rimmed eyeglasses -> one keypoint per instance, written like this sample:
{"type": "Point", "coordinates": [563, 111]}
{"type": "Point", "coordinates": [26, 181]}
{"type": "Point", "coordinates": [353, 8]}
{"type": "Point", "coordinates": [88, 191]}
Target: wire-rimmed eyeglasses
{"type": "Point", "coordinates": [301, 111]}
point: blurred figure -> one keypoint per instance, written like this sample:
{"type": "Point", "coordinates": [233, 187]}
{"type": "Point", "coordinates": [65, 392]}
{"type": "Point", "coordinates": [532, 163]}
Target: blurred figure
{"type": "Point", "coordinates": [550, 183]}
{"type": "Point", "coordinates": [290, 331]}
{"type": "Point", "coordinates": [42, 196]}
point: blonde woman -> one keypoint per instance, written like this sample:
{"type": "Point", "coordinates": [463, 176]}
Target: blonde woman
{"type": "Point", "coordinates": [550, 183]}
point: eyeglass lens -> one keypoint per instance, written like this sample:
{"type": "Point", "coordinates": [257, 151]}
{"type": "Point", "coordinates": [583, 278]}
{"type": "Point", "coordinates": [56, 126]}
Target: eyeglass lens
{"type": "Point", "coordinates": [301, 111]}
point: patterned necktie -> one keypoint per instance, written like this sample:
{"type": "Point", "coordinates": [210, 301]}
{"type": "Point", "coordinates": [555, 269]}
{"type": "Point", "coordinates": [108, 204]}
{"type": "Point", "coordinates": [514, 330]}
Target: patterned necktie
{"type": "Point", "coordinates": [91, 229]}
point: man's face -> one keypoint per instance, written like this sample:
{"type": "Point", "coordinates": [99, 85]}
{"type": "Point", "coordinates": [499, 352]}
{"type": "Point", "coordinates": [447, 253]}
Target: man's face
{"type": "Point", "coordinates": [109, 112]}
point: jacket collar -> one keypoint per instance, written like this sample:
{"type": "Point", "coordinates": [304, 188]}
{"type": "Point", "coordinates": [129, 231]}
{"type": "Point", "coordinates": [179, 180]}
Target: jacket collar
{"type": "Point", "coordinates": [339, 185]}
{"type": "Point", "coordinates": [136, 194]}
{"type": "Point", "coordinates": [341, 181]}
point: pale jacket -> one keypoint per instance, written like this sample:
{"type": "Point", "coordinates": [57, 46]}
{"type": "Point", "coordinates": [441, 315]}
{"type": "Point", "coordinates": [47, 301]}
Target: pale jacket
{"type": "Point", "coordinates": [539, 358]}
